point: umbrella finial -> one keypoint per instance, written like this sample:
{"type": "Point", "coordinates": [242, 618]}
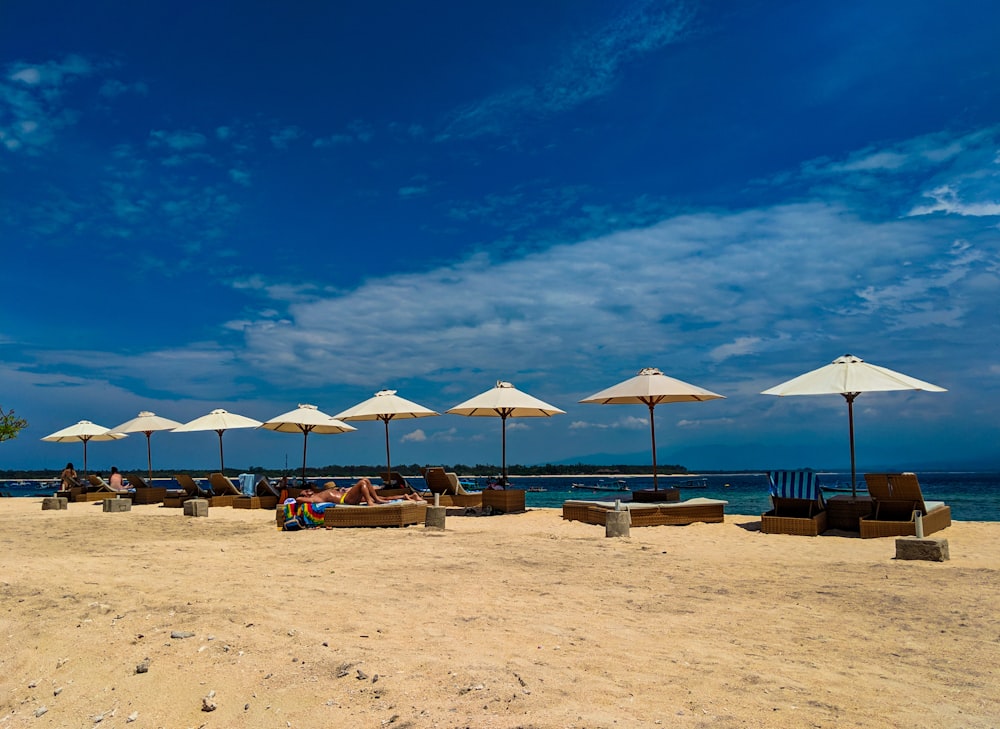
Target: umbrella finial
{"type": "Point", "coordinates": [146, 414]}
{"type": "Point", "coordinates": [307, 406]}
{"type": "Point", "coordinates": [385, 393]}
{"type": "Point", "coordinates": [649, 371]}
{"type": "Point", "coordinates": [502, 383]}
{"type": "Point", "coordinates": [848, 359]}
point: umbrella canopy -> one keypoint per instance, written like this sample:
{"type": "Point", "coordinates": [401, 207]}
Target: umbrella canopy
{"type": "Point", "coordinates": [220, 421]}
{"type": "Point", "coordinates": [651, 388]}
{"type": "Point", "coordinates": [306, 419]}
{"type": "Point", "coordinates": [850, 376]}
{"type": "Point", "coordinates": [147, 423]}
{"type": "Point", "coordinates": [385, 405]}
{"type": "Point", "coordinates": [84, 431]}
{"type": "Point", "coordinates": [505, 401]}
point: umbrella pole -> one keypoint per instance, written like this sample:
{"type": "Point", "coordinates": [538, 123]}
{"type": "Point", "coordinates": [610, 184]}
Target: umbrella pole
{"type": "Point", "coordinates": [388, 461]}
{"type": "Point", "coordinates": [222, 462]}
{"type": "Point", "coordinates": [305, 440]}
{"type": "Point", "coordinates": [85, 472]}
{"type": "Point", "coordinates": [149, 455]}
{"type": "Point", "coordinates": [503, 450]}
{"type": "Point", "coordinates": [652, 435]}
{"type": "Point", "coordinates": [849, 396]}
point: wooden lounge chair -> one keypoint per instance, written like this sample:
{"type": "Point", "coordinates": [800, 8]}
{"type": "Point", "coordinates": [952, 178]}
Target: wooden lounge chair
{"type": "Point", "coordinates": [97, 491]}
{"type": "Point", "coordinates": [797, 504]}
{"type": "Point", "coordinates": [451, 491]}
{"type": "Point", "coordinates": [265, 496]}
{"type": "Point", "coordinates": [144, 493]}
{"type": "Point", "coordinates": [224, 491]}
{"type": "Point", "coordinates": [656, 514]}
{"type": "Point", "coordinates": [399, 514]}
{"type": "Point", "coordinates": [896, 497]}
{"type": "Point", "coordinates": [189, 490]}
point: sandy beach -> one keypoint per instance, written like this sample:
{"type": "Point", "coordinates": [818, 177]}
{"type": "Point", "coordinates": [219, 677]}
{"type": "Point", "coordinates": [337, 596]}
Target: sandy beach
{"type": "Point", "coordinates": [148, 618]}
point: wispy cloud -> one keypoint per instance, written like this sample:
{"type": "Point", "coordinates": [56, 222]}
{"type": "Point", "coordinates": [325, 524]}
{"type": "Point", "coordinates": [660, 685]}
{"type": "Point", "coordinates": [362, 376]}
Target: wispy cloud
{"type": "Point", "coordinates": [946, 173]}
{"type": "Point", "coordinates": [31, 102]}
{"type": "Point", "coordinates": [589, 68]}
{"type": "Point", "coordinates": [178, 140]}
{"type": "Point", "coordinates": [284, 137]}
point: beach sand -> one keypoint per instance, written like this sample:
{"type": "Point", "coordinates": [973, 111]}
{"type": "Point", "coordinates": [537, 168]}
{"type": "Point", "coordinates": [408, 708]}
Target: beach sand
{"type": "Point", "coordinates": [520, 620]}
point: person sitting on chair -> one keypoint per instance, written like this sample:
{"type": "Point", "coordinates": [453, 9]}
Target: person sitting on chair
{"type": "Point", "coordinates": [115, 480]}
{"type": "Point", "coordinates": [361, 492]}
{"type": "Point", "coordinates": [68, 478]}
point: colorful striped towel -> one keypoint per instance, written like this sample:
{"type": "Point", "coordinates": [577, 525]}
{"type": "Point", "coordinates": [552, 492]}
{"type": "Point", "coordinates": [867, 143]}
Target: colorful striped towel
{"type": "Point", "coordinates": [302, 516]}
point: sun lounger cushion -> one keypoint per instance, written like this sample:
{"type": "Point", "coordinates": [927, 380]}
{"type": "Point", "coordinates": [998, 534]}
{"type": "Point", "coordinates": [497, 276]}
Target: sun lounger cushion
{"type": "Point", "coordinates": [673, 513]}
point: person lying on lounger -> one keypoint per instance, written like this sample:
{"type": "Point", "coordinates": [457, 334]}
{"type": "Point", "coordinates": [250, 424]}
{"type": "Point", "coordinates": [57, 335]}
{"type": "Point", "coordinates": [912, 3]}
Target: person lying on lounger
{"type": "Point", "coordinates": [361, 492]}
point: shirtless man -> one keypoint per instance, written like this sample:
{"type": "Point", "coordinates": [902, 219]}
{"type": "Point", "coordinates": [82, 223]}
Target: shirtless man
{"type": "Point", "coordinates": [361, 492]}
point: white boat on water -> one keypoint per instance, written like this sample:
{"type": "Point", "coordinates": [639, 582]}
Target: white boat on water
{"type": "Point", "coordinates": [692, 483]}
{"type": "Point", "coordinates": [603, 485]}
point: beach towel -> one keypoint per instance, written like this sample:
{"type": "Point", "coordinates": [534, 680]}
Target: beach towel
{"type": "Point", "coordinates": [247, 484]}
{"type": "Point", "coordinates": [302, 516]}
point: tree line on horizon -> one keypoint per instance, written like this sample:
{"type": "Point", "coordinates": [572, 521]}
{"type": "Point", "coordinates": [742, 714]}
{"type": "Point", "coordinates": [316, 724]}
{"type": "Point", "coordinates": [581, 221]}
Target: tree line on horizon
{"type": "Point", "coordinates": [412, 469]}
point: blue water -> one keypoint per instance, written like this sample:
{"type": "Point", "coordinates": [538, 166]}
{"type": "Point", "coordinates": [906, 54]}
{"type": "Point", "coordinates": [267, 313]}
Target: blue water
{"type": "Point", "coordinates": [971, 496]}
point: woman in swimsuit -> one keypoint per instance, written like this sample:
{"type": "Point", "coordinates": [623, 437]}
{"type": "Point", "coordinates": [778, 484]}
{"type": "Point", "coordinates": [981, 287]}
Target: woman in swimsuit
{"type": "Point", "coordinates": [361, 492]}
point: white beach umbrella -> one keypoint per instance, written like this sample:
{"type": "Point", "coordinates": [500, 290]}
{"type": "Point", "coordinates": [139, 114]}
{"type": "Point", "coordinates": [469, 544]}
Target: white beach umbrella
{"type": "Point", "coordinates": [651, 388]}
{"type": "Point", "coordinates": [147, 423]}
{"type": "Point", "coordinates": [83, 431]}
{"type": "Point", "coordinates": [306, 419]}
{"type": "Point", "coordinates": [220, 421]}
{"type": "Point", "coordinates": [505, 401]}
{"type": "Point", "coordinates": [386, 405]}
{"type": "Point", "coordinates": [850, 376]}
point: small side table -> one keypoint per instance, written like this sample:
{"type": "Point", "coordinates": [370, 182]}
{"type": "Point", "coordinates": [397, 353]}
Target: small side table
{"type": "Point", "coordinates": [503, 501]}
{"type": "Point", "coordinates": [843, 511]}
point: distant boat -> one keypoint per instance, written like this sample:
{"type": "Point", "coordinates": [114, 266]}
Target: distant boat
{"type": "Point", "coordinates": [845, 489]}
{"type": "Point", "coordinates": [693, 483]}
{"type": "Point", "coordinates": [602, 485]}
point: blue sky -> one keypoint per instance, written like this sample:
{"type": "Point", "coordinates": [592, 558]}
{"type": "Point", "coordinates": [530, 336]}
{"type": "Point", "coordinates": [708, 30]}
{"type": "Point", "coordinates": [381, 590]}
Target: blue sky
{"type": "Point", "coordinates": [252, 205]}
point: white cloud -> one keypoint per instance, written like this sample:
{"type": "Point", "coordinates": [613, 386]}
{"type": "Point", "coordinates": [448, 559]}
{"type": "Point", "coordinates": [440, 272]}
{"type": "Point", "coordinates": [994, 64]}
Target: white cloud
{"type": "Point", "coordinates": [412, 191]}
{"type": "Point", "coordinates": [415, 436]}
{"type": "Point", "coordinates": [284, 137]}
{"type": "Point", "coordinates": [947, 199]}
{"type": "Point", "coordinates": [589, 68]}
{"type": "Point", "coordinates": [32, 109]}
{"type": "Point", "coordinates": [240, 177]}
{"type": "Point", "coordinates": [113, 88]}
{"type": "Point", "coordinates": [178, 140]}
{"type": "Point", "coordinates": [332, 140]}
{"type": "Point", "coordinates": [741, 345]}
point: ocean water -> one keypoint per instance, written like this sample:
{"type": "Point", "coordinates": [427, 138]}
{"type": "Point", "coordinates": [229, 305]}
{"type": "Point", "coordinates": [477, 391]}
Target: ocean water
{"type": "Point", "coordinates": [972, 496]}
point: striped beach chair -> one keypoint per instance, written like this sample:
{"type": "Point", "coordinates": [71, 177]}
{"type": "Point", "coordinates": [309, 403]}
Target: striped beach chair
{"type": "Point", "coordinates": [797, 504]}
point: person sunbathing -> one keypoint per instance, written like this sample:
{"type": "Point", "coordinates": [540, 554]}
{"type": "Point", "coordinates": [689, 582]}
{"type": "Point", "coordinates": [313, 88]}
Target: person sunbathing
{"type": "Point", "coordinates": [360, 492]}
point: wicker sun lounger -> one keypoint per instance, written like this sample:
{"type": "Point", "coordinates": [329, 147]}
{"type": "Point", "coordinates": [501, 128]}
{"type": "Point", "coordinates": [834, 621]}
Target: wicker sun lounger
{"type": "Point", "coordinates": [266, 496]}
{"type": "Point", "coordinates": [399, 514]}
{"type": "Point", "coordinates": [97, 491]}
{"type": "Point", "coordinates": [224, 491]}
{"type": "Point", "coordinates": [656, 514]}
{"type": "Point", "coordinates": [451, 491]}
{"type": "Point", "coordinates": [189, 490]}
{"type": "Point", "coordinates": [895, 499]}
{"type": "Point", "coordinates": [395, 514]}
{"type": "Point", "coordinates": [144, 493]}
{"type": "Point", "coordinates": [797, 503]}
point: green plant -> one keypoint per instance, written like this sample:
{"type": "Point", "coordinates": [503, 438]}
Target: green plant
{"type": "Point", "coordinates": [10, 425]}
